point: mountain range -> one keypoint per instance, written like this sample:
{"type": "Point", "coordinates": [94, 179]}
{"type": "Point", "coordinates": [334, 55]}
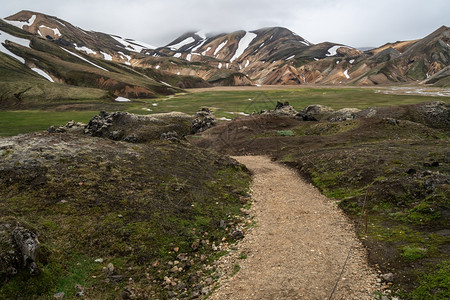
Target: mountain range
{"type": "Point", "coordinates": [43, 56]}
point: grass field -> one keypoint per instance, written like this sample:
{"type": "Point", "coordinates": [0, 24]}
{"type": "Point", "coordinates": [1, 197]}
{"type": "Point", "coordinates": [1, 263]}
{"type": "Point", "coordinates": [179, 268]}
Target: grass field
{"type": "Point", "coordinates": [229, 103]}
{"type": "Point", "coordinates": [17, 122]}
{"type": "Point", "coordinates": [249, 101]}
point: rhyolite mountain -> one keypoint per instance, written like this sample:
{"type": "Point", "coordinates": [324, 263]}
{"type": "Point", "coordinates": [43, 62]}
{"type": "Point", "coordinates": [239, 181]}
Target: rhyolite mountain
{"type": "Point", "coordinates": [37, 49]}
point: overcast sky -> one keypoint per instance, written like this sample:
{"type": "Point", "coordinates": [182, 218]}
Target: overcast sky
{"type": "Point", "coordinates": [355, 23]}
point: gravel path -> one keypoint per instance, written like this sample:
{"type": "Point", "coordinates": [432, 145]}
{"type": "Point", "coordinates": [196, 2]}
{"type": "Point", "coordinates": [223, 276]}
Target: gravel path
{"type": "Point", "coordinates": [299, 245]}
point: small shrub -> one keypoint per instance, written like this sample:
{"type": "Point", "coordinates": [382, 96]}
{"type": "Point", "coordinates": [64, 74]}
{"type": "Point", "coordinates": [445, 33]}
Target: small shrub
{"type": "Point", "coordinates": [411, 253]}
{"type": "Point", "coordinates": [285, 132]}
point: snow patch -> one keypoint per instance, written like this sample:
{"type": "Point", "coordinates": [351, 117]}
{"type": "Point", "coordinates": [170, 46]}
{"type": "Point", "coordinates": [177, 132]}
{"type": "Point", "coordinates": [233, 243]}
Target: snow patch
{"type": "Point", "coordinates": [337, 62]}
{"type": "Point", "coordinates": [224, 119]}
{"type": "Point", "coordinates": [316, 59]}
{"type": "Point", "coordinates": [106, 56]}
{"type": "Point", "coordinates": [7, 37]}
{"type": "Point", "coordinates": [243, 44]}
{"type": "Point", "coordinates": [132, 45]}
{"type": "Point", "coordinates": [204, 52]}
{"type": "Point", "coordinates": [126, 56]}
{"type": "Point", "coordinates": [188, 57]}
{"type": "Point", "coordinates": [220, 66]}
{"type": "Point", "coordinates": [346, 74]}
{"type": "Point", "coordinates": [247, 63]}
{"type": "Point", "coordinates": [21, 24]}
{"type": "Point", "coordinates": [262, 44]}
{"type": "Point", "coordinates": [197, 47]}
{"type": "Point", "coordinates": [155, 104]}
{"type": "Point", "coordinates": [220, 47]}
{"type": "Point", "coordinates": [165, 83]}
{"type": "Point", "coordinates": [184, 42]}
{"type": "Point", "coordinates": [82, 58]}
{"type": "Point", "coordinates": [290, 57]}
{"type": "Point", "coordinates": [178, 73]}
{"type": "Point", "coordinates": [332, 51]}
{"type": "Point", "coordinates": [304, 43]}
{"type": "Point", "coordinates": [243, 114]}
{"type": "Point", "coordinates": [177, 55]}
{"type": "Point", "coordinates": [122, 99]}
{"type": "Point", "coordinates": [201, 34]}
{"type": "Point", "coordinates": [43, 74]}
{"type": "Point", "coordinates": [60, 22]}
{"type": "Point", "coordinates": [351, 61]}
{"type": "Point", "coordinates": [226, 65]}
{"type": "Point", "coordinates": [85, 49]}
{"type": "Point", "coordinates": [157, 67]}
{"type": "Point", "coordinates": [55, 30]}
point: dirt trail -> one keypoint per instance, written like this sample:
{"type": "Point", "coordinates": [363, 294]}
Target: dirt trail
{"type": "Point", "coordinates": [299, 245]}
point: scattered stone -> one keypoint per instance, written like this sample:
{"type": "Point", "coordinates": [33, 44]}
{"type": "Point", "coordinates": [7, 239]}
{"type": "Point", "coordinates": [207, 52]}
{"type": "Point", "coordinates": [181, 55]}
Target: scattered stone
{"type": "Point", "coordinates": [237, 234]}
{"type": "Point", "coordinates": [99, 260]}
{"type": "Point", "coordinates": [181, 286]}
{"type": "Point", "coordinates": [70, 126]}
{"type": "Point", "coordinates": [116, 277]}
{"type": "Point", "coordinates": [411, 171]}
{"type": "Point", "coordinates": [205, 290]}
{"type": "Point", "coordinates": [59, 295]}
{"type": "Point", "coordinates": [171, 136]}
{"type": "Point", "coordinates": [172, 294]}
{"type": "Point", "coordinates": [128, 293]}
{"type": "Point", "coordinates": [388, 277]}
{"type": "Point", "coordinates": [195, 245]}
{"type": "Point", "coordinates": [79, 290]}
{"type": "Point", "coordinates": [53, 129]}
{"type": "Point", "coordinates": [195, 294]}
{"type": "Point", "coordinates": [109, 270]}
{"type": "Point", "coordinates": [131, 138]}
{"type": "Point", "coordinates": [391, 121]}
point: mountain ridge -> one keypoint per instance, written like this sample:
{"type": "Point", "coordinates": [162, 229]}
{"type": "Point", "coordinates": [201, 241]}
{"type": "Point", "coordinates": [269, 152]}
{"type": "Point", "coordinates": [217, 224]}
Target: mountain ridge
{"type": "Point", "coordinates": [266, 56]}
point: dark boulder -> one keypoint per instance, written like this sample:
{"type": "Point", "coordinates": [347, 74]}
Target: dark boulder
{"type": "Point", "coordinates": [203, 120]}
{"type": "Point", "coordinates": [19, 249]}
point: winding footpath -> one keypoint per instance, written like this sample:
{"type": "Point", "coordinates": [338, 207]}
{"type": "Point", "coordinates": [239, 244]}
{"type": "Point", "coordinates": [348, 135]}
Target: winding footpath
{"type": "Point", "coordinates": [299, 245]}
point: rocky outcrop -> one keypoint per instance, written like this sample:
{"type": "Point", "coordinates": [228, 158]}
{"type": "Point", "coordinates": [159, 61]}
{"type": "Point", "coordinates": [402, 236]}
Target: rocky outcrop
{"type": "Point", "coordinates": [203, 120]}
{"type": "Point", "coordinates": [19, 249]}
{"type": "Point", "coordinates": [137, 128]}
{"type": "Point", "coordinates": [435, 114]}
{"type": "Point", "coordinates": [70, 126]}
{"type": "Point", "coordinates": [343, 114]}
{"type": "Point", "coordinates": [284, 109]}
{"type": "Point", "coordinates": [315, 112]}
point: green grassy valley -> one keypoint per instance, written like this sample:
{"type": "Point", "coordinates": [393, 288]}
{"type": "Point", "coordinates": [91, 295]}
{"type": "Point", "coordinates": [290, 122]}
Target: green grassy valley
{"type": "Point", "coordinates": [228, 104]}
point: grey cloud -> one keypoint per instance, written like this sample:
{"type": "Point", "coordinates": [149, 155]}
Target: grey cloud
{"type": "Point", "coordinates": [351, 22]}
